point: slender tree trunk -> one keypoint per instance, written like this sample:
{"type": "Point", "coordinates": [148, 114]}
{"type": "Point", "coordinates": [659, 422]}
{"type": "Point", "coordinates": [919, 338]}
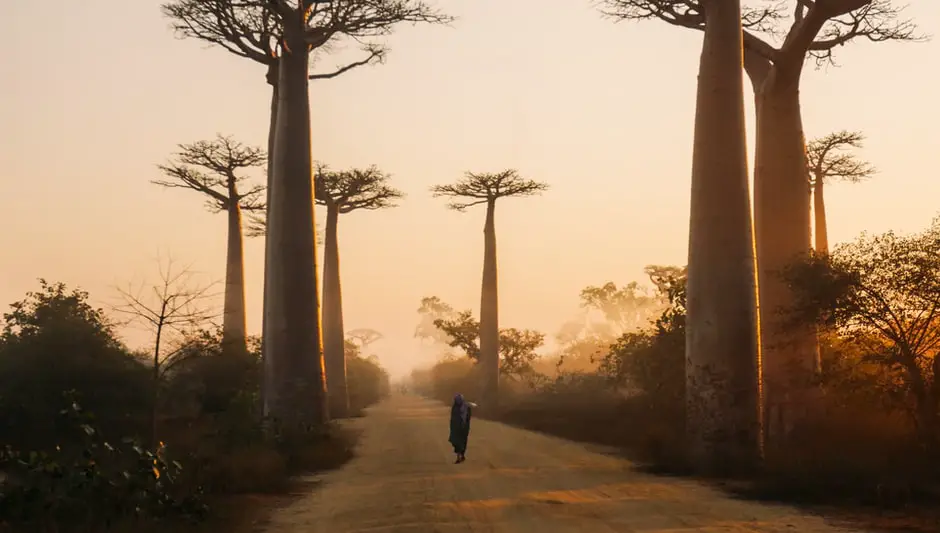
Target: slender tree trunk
{"type": "Point", "coordinates": [293, 353]}
{"type": "Point", "coordinates": [271, 78]}
{"type": "Point", "coordinates": [722, 372]}
{"type": "Point", "coordinates": [489, 311]}
{"type": "Point", "coordinates": [155, 408]}
{"type": "Point", "coordinates": [233, 316]}
{"type": "Point", "coordinates": [819, 213]}
{"type": "Point", "coordinates": [782, 230]}
{"type": "Point", "coordinates": [333, 331]}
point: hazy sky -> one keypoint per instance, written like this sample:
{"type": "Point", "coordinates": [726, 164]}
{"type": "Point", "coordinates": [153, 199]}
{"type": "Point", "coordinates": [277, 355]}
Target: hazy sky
{"type": "Point", "coordinates": [96, 94]}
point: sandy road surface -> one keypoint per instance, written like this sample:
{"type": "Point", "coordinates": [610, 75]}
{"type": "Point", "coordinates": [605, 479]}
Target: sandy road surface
{"type": "Point", "coordinates": [404, 480]}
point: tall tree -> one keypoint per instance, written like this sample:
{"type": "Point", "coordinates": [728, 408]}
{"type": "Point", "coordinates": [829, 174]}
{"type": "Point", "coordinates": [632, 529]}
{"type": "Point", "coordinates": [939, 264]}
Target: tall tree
{"type": "Point", "coordinates": [283, 35]}
{"type": "Point", "coordinates": [829, 160]}
{"type": "Point", "coordinates": [721, 342]}
{"type": "Point", "coordinates": [214, 169]}
{"type": "Point", "coordinates": [813, 29]}
{"type": "Point", "coordinates": [486, 189]}
{"type": "Point", "coordinates": [343, 192]}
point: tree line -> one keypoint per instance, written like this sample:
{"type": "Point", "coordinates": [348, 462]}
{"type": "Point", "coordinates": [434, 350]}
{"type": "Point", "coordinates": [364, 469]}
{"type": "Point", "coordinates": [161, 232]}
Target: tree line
{"type": "Point", "coordinates": [747, 388]}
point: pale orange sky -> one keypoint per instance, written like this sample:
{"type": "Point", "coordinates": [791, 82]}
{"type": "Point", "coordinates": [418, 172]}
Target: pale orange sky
{"type": "Point", "coordinates": [95, 95]}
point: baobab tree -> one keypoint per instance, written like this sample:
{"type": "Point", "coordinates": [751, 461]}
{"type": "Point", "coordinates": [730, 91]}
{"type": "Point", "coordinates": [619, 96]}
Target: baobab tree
{"type": "Point", "coordinates": [284, 36]}
{"type": "Point", "coordinates": [723, 421]}
{"type": "Point", "coordinates": [486, 189]}
{"type": "Point", "coordinates": [829, 160]}
{"type": "Point", "coordinates": [364, 337]}
{"type": "Point", "coordinates": [809, 29]}
{"type": "Point", "coordinates": [215, 170]}
{"type": "Point", "coordinates": [343, 192]}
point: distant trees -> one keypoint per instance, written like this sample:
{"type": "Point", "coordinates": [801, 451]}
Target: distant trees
{"type": "Point", "coordinates": [343, 192]}
{"type": "Point", "coordinates": [284, 36]}
{"type": "Point", "coordinates": [364, 337]}
{"type": "Point", "coordinates": [431, 310]}
{"type": "Point", "coordinates": [625, 308]}
{"type": "Point", "coordinates": [516, 346]}
{"type": "Point", "coordinates": [215, 170]}
{"type": "Point", "coordinates": [828, 160]}
{"type": "Point", "coordinates": [486, 189]}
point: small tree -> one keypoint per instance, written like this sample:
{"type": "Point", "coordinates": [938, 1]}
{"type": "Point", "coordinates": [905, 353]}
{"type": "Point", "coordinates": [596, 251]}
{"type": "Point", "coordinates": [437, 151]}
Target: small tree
{"type": "Point", "coordinates": [516, 346]}
{"type": "Point", "coordinates": [364, 337]}
{"type": "Point", "coordinates": [486, 189]}
{"type": "Point", "coordinates": [170, 308]}
{"type": "Point", "coordinates": [54, 341]}
{"type": "Point", "coordinates": [214, 169]}
{"type": "Point", "coordinates": [829, 160]}
{"type": "Point", "coordinates": [625, 308]}
{"type": "Point", "coordinates": [883, 294]}
{"type": "Point", "coordinates": [341, 193]}
{"type": "Point", "coordinates": [432, 309]}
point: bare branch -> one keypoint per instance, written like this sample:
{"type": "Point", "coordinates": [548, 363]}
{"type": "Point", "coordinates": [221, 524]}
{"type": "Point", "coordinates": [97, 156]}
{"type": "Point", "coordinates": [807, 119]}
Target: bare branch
{"type": "Point", "coordinates": [253, 28]}
{"type": "Point", "coordinates": [174, 304]}
{"type": "Point", "coordinates": [366, 19]}
{"type": "Point", "coordinates": [246, 28]}
{"type": "Point", "coordinates": [829, 160]}
{"type": "Point", "coordinates": [815, 27]}
{"type": "Point", "coordinates": [487, 187]}
{"type": "Point", "coordinates": [873, 20]}
{"type": "Point", "coordinates": [376, 55]}
{"type": "Point", "coordinates": [353, 189]}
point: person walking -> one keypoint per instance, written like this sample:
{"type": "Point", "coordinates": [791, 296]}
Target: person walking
{"type": "Point", "coordinates": [460, 413]}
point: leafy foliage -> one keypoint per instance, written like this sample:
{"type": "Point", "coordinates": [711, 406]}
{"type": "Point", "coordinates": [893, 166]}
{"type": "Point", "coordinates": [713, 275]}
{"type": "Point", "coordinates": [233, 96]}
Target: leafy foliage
{"type": "Point", "coordinates": [53, 341]}
{"type": "Point", "coordinates": [516, 346]}
{"type": "Point", "coordinates": [91, 484]}
{"type": "Point", "coordinates": [882, 293]}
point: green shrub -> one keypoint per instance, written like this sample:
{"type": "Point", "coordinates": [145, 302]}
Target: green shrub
{"type": "Point", "coordinates": [92, 486]}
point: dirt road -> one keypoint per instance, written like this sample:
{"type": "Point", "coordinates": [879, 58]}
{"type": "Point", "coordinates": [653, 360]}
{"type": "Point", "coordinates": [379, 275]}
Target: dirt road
{"type": "Point", "coordinates": [515, 481]}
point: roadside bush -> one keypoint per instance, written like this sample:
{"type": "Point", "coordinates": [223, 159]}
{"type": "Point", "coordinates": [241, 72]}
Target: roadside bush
{"type": "Point", "coordinates": [84, 471]}
{"type": "Point", "coordinates": [89, 484]}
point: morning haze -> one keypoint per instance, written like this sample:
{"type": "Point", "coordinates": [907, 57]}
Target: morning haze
{"type": "Point", "coordinates": [718, 254]}
{"type": "Point", "coordinates": [597, 110]}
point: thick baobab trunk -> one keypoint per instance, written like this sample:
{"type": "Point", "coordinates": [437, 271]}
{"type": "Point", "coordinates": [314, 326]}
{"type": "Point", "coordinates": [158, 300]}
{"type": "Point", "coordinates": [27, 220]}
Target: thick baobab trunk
{"type": "Point", "coordinates": [334, 352]}
{"type": "Point", "coordinates": [722, 372]}
{"type": "Point", "coordinates": [819, 213]}
{"type": "Point", "coordinates": [271, 78]}
{"type": "Point", "coordinates": [489, 311]}
{"type": "Point", "coordinates": [233, 316]}
{"type": "Point", "coordinates": [293, 355]}
{"type": "Point", "coordinates": [782, 235]}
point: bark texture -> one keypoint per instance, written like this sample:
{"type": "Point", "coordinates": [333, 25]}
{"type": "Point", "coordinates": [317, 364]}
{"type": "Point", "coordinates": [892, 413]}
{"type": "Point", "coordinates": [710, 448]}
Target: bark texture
{"type": "Point", "coordinates": [293, 354]}
{"type": "Point", "coordinates": [333, 329]}
{"type": "Point", "coordinates": [782, 236]}
{"type": "Point", "coordinates": [489, 311]}
{"type": "Point", "coordinates": [819, 213]}
{"type": "Point", "coordinates": [271, 78]}
{"type": "Point", "coordinates": [722, 368]}
{"type": "Point", "coordinates": [233, 315]}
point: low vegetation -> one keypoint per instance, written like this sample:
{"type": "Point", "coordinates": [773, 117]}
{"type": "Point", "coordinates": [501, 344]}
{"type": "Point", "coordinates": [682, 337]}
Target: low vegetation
{"type": "Point", "coordinates": [619, 380]}
{"type": "Point", "coordinates": [80, 449]}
